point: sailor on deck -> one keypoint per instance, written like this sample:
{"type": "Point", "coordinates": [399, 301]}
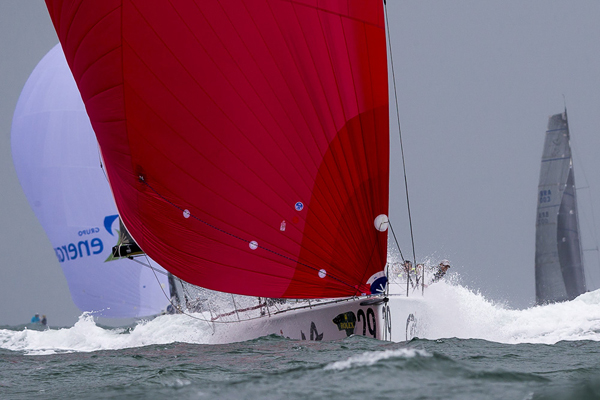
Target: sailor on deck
{"type": "Point", "coordinates": [412, 273]}
{"type": "Point", "coordinates": [442, 269]}
{"type": "Point", "coordinates": [408, 267]}
{"type": "Point", "coordinates": [418, 274]}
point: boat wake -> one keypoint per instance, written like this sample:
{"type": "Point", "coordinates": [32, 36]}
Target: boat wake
{"type": "Point", "coordinates": [455, 311]}
{"type": "Point", "coordinates": [452, 311]}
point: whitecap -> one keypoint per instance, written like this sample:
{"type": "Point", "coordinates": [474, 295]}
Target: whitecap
{"type": "Point", "coordinates": [372, 357]}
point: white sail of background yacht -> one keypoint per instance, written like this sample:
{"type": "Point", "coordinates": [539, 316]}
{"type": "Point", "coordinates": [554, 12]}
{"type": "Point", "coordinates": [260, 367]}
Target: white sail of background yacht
{"type": "Point", "coordinates": [559, 272]}
{"type": "Point", "coordinates": [57, 161]}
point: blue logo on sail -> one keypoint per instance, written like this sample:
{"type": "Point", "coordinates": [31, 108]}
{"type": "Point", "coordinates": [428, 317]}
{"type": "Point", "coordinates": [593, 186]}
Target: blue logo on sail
{"type": "Point", "coordinates": [85, 247]}
{"type": "Point", "coordinates": [108, 221]}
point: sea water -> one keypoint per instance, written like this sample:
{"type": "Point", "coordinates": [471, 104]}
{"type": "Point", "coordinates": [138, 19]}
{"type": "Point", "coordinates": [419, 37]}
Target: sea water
{"type": "Point", "coordinates": [469, 348]}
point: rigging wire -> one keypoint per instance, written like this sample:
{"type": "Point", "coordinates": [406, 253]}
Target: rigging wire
{"type": "Point", "coordinates": [214, 320]}
{"type": "Point", "coordinates": [396, 240]}
{"type": "Point", "coordinates": [148, 266]}
{"type": "Point", "coordinates": [592, 228]}
{"type": "Point", "coordinates": [400, 134]}
{"type": "Point", "coordinates": [401, 257]}
{"type": "Point", "coordinates": [183, 312]}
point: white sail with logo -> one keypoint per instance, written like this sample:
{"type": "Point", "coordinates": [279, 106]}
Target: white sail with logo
{"type": "Point", "coordinates": [57, 161]}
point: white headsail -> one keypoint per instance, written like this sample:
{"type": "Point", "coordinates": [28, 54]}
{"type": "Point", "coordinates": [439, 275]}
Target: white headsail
{"type": "Point", "coordinates": [57, 160]}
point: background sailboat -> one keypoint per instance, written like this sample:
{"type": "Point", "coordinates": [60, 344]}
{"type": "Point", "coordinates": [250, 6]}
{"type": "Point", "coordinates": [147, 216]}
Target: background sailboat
{"type": "Point", "coordinates": [57, 161]}
{"type": "Point", "coordinates": [559, 272]}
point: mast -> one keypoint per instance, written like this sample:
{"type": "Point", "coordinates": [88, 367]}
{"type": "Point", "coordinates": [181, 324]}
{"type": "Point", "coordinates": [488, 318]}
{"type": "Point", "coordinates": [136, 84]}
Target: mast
{"type": "Point", "coordinates": [559, 272]}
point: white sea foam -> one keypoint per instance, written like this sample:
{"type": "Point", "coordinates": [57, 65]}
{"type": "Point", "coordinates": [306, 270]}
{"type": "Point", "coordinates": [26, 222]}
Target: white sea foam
{"type": "Point", "coordinates": [372, 357]}
{"type": "Point", "coordinates": [455, 311]}
{"type": "Point", "coordinates": [452, 311]}
{"type": "Point", "coordinates": [86, 336]}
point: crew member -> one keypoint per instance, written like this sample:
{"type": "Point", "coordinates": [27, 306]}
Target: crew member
{"type": "Point", "coordinates": [442, 269]}
{"type": "Point", "coordinates": [418, 274]}
{"type": "Point", "coordinates": [408, 268]}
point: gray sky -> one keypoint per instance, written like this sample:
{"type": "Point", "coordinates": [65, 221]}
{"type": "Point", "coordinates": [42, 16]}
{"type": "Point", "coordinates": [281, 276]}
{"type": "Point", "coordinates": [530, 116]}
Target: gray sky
{"type": "Point", "coordinates": [32, 280]}
{"type": "Point", "coordinates": [477, 81]}
{"type": "Point", "coordinates": [476, 84]}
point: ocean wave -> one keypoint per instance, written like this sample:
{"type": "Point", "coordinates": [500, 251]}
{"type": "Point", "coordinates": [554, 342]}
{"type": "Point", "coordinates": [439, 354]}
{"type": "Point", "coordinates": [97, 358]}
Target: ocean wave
{"type": "Point", "coordinates": [86, 336]}
{"type": "Point", "coordinates": [370, 358]}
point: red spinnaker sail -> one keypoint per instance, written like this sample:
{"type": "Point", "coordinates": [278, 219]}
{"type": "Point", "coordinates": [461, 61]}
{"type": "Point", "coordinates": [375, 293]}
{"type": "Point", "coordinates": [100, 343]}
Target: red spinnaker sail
{"type": "Point", "coordinates": [246, 141]}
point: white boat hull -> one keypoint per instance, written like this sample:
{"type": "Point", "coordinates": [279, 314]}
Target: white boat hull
{"type": "Point", "coordinates": [395, 319]}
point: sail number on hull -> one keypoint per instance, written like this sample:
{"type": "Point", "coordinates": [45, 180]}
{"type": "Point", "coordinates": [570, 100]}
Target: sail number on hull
{"type": "Point", "coordinates": [368, 322]}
